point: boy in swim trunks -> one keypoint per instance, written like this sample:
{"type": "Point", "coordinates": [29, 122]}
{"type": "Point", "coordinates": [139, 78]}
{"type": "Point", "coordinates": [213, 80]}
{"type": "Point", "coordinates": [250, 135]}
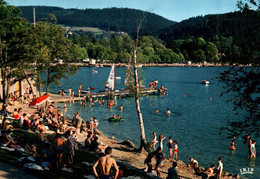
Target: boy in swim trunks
{"type": "Point", "coordinates": [159, 156]}
{"type": "Point", "coordinates": [105, 163]}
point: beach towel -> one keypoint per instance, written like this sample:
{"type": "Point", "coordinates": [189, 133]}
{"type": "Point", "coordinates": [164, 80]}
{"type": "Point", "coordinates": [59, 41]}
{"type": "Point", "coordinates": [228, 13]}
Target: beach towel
{"type": "Point", "coordinates": [32, 166]}
{"type": "Point", "coordinates": [7, 148]}
{"type": "Point", "coordinates": [88, 164]}
{"type": "Point", "coordinates": [67, 170]}
{"type": "Point", "coordinates": [45, 165]}
{"type": "Point", "coordinates": [89, 177]}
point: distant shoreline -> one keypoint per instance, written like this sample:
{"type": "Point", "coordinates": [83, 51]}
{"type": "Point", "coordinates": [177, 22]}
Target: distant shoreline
{"type": "Point", "coordinates": [81, 64]}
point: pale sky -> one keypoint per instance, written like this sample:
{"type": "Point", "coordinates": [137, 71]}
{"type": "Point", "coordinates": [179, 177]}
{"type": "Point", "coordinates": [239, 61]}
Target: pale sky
{"type": "Point", "coordinates": [176, 10]}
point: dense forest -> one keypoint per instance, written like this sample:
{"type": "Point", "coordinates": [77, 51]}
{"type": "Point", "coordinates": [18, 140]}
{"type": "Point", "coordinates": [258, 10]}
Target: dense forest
{"type": "Point", "coordinates": [233, 37]}
{"type": "Point", "coordinates": [237, 34]}
{"type": "Point", "coordinates": [109, 19]}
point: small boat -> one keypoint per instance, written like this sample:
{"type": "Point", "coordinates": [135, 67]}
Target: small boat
{"type": "Point", "coordinates": [118, 78]}
{"type": "Point", "coordinates": [204, 82]}
{"type": "Point", "coordinates": [111, 119]}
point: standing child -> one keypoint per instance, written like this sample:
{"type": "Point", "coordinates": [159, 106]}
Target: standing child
{"type": "Point", "coordinates": [154, 141]}
{"type": "Point", "coordinates": [160, 140]}
{"type": "Point", "coordinates": [170, 146]}
{"type": "Point", "coordinates": [175, 151]}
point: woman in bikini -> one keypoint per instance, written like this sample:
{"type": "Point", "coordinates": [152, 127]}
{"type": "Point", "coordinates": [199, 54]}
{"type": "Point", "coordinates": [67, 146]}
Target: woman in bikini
{"type": "Point", "coordinates": [170, 146]}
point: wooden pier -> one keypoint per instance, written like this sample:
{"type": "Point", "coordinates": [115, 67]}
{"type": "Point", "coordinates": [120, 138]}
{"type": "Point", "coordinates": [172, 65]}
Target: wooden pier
{"type": "Point", "coordinates": [118, 93]}
{"type": "Point", "coordinates": [101, 94]}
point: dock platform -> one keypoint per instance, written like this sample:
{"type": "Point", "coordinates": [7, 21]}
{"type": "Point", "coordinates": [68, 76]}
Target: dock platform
{"type": "Point", "coordinates": [102, 94]}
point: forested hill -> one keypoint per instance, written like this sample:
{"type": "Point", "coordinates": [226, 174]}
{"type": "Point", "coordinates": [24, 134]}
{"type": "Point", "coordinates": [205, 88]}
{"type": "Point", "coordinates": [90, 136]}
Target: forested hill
{"type": "Point", "coordinates": [110, 19]}
{"type": "Point", "coordinates": [237, 24]}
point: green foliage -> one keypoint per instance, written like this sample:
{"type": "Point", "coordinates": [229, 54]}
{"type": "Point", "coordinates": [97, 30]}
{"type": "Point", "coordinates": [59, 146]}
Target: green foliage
{"type": "Point", "coordinates": [236, 35]}
{"type": "Point", "coordinates": [244, 86]}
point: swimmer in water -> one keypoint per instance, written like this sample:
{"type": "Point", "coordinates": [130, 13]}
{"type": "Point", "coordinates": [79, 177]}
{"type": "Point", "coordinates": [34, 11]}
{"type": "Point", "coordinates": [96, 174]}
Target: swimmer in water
{"type": "Point", "coordinates": [168, 112]}
{"type": "Point", "coordinates": [232, 144]}
{"type": "Point", "coordinates": [156, 111]}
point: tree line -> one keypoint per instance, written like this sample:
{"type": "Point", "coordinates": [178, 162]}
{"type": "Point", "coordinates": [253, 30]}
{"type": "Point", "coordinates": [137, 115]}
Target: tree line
{"type": "Point", "coordinates": [108, 19]}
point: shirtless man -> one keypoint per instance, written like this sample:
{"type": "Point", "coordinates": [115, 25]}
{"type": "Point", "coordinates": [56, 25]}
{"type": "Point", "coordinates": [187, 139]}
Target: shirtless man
{"type": "Point", "coordinates": [105, 163]}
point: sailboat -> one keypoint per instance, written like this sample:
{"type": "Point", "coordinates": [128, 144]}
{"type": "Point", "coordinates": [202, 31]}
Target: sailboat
{"type": "Point", "coordinates": [111, 78]}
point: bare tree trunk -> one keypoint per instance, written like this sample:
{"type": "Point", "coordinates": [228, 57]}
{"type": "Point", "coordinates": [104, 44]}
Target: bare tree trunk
{"type": "Point", "coordinates": [137, 93]}
{"type": "Point", "coordinates": [48, 81]}
{"type": "Point", "coordinates": [29, 83]}
{"type": "Point", "coordinates": [138, 109]}
{"type": "Point", "coordinates": [39, 85]}
{"type": "Point", "coordinates": [5, 81]}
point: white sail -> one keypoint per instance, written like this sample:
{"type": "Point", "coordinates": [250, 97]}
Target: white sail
{"type": "Point", "coordinates": [111, 78]}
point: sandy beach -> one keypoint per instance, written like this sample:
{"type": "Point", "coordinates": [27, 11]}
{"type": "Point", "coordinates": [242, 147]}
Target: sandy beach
{"type": "Point", "coordinates": [125, 155]}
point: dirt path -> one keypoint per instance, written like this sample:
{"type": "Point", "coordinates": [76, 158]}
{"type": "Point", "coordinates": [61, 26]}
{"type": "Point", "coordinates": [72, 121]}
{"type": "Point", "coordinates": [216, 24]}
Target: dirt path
{"type": "Point", "coordinates": [8, 171]}
{"type": "Point", "coordinates": [128, 155]}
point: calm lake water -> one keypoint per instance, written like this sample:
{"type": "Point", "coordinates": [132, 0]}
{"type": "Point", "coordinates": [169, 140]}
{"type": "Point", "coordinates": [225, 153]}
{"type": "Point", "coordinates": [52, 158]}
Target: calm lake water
{"type": "Point", "coordinates": [198, 112]}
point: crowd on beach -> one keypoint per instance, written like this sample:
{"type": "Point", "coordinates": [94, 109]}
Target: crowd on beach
{"type": "Point", "coordinates": [49, 119]}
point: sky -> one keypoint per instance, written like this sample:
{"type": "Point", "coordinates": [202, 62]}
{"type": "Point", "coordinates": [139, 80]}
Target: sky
{"type": "Point", "coordinates": [175, 10]}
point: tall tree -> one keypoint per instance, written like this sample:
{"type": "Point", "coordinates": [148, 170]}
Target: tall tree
{"type": "Point", "coordinates": [135, 86]}
{"type": "Point", "coordinates": [244, 86]}
{"type": "Point", "coordinates": [11, 27]}
{"type": "Point", "coordinates": [59, 48]}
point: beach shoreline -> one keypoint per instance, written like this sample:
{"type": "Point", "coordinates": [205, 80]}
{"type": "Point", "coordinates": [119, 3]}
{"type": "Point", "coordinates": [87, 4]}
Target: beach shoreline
{"type": "Point", "coordinates": [98, 65]}
{"type": "Point", "coordinates": [121, 152]}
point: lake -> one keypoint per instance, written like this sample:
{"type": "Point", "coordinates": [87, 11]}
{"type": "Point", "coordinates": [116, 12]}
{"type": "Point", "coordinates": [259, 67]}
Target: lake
{"type": "Point", "coordinates": [198, 112]}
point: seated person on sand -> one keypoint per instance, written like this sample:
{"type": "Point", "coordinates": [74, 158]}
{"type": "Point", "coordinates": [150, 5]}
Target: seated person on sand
{"type": "Point", "coordinates": [95, 146]}
{"type": "Point", "coordinates": [15, 114]}
{"type": "Point", "coordinates": [96, 122]}
{"type": "Point", "coordinates": [47, 154]}
{"type": "Point", "coordinates": [63, 127]}
{"type": "Point", "coordinates": [6, 140]}
{"type": "Point", "coordinates": [148, 161]}
{"type": "Point", "coordinates": [4, 111]}
{"type": "Point", "coordinates": [42, 137]}
{"type": "Point", "coordinates": [41, 127]}
{"type": "Point", "coordinates": [83, 127]}
{"type": "Point", "coordinates": [88, 141]}
{"type": "Point", "coordinates": [4, 125]}
{"type": "Point", "coordinates": [172, 172]}
{"type": "Point", "coordinates": [194, 164]}
{"type": "Point", "coordinates": [31, 149]}
{"type": "Point", "coordinates": [26, 124]}
{"type": "Point", "coordinates": [210, 171]}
